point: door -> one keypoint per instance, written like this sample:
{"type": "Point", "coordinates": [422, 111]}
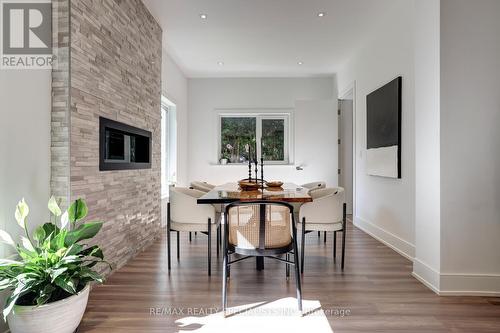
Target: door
{"type": "Point", "coordinates": [346, 150]}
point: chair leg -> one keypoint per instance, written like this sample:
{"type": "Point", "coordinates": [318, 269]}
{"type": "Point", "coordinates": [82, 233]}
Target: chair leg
{"type": "Point", "coordinates": [218, 240]}
{"type": "Point", "coordinates": [168, 236]}
{"type": "Point", "coordinates": [287, 269]}
{"type": "Point", "coordinates": [178, 246]}
{"type": "Point", "coordinates": [344, 227]}
{"type": "Point", "coordinates": [220, 233]}
{"type": "Point", "coordinates": [209, 246]}
{"type": "Point", "coordinates": [190, 237]}
{"type": "Point", "coordinates": [297, 272]}
{"type": "Point", "coordinates": [319, 234]}
{"type": "Point", "coordinates": [303, 245]}
{"type": "Point", "coordinates": [324, 240]}
{"type": "Point", "coordinates": [334, 245]}
{"type": "Point", "coordinates": [224, 276]}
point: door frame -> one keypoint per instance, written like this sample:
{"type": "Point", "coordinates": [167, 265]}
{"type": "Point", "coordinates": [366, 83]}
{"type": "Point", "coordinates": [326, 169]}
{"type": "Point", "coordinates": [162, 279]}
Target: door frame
{"type": "Point", "coordinates": [351, 89]}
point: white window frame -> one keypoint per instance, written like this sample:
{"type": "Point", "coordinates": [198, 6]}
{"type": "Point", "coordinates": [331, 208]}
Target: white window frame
{"type": "Point", "coordinates": [169, 142]}
{"type": "Point", "coordinates": [259, 116]}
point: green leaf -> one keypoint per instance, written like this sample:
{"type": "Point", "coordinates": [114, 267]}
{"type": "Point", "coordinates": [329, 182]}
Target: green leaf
{"type": "Point", "coordinates": [55, 273]}
{"type": "Point", "coordinates": [39, 234]}
{"type": "Point", "coordinates": [74, 249]}
{"type": "Point", "coordinates": [54, 206]}
{"type": "Point", "coordinates": [8, 262]}
{"type": "Point", "coordinates": [9, 304]}
{"type": "Point", "coordinates": [59, 239]}
{"type": "Point", "coordinates": [77, 210]}
{"type": "Point", "coordinates": [88, 274]}
{"type": "Point", "coordinates": [65, 284]}
{"type": "Point", "coordinates": [84, 231]}
{"type": "Point", "coordinates": [45, 294]}
{"type": "Point", "coordinates": [93, 251]}
{"type": "Point", "coordinates": [50, 230]}
{"type": "Point", "coordinates": [5, 238]}
{"type": "Point", "coordinates": [22, 288]}
{"type": "Point", "coordinates": [22, 211]}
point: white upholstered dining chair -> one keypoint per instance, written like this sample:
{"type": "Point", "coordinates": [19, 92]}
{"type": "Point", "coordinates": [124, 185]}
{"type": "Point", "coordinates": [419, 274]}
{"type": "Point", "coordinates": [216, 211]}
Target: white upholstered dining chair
{"type": "Point", "coordinates": [184, 214]}
{"type": "Point", "coordinates": [202, 186]}
{"type": "Point", "coordinates": [314, 185]}
{"type": "Point", "coordinates": [327, 212]}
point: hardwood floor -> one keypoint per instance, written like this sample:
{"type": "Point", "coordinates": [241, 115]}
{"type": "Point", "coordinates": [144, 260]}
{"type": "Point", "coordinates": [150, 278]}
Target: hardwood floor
{"type": "Point", "coordinates": [376, 288]}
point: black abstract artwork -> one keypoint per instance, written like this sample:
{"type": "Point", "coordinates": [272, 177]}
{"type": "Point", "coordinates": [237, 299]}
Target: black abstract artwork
{"type": "Point", "coordinates": [383, 126]}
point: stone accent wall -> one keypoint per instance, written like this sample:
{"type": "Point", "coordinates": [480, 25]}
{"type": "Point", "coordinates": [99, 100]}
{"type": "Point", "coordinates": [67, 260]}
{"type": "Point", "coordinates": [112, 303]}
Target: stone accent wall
{"type": "Point", "coordinates": [115, 72]}
{"type": "Point", "coordinates": [60, 116]}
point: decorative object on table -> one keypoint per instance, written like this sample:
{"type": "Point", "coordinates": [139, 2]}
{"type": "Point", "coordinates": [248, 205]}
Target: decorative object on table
{"type": "Point", "coordinates": [383, 116]}
{"type": "Point", "coordinates": [275, 183]}
{"type": "Point", "coordinates": [246, 185]}
{"type": "Point", "coordinates": [262, 171]}
{"type": "Point", "coordinates": [249, 151]}
{"type": "Point", "coordinates": [256, 170]}
{"type": "Point", "coordinates": [50, 281]}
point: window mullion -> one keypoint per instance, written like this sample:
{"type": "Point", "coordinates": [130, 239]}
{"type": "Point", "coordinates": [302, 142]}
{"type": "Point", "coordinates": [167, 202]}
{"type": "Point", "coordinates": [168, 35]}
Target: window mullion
{"type": "Point", "coordinates": [258, 136]}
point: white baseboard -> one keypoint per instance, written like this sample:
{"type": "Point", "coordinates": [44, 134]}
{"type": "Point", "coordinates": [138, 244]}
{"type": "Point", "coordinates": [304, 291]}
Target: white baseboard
{"type": "Point", "coordinates": [457, 284]}
{"type": "Point", "coordinates": [427, 275]}
{"type": "Point", "coordinates": [396, 243]}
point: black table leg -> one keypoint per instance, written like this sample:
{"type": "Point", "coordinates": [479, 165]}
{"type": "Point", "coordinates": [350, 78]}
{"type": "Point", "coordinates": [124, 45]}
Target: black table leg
{"type": "Point", "coordinates": [259, 261]}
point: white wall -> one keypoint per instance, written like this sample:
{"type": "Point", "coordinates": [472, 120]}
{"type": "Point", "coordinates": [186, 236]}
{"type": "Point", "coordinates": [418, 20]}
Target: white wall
{"type": "Point", "coordinates": [386, 207]}
{"type": "Point", "coordinates": [174, 87]}
{"type": "Point", "coordinates": [470, 146]}
{"type": "Point", "coordinates": [426, 265]}
{"type": "Point", "coordinates": [25, 102]}
{"type": "Point", "coordinates": [315, 125]}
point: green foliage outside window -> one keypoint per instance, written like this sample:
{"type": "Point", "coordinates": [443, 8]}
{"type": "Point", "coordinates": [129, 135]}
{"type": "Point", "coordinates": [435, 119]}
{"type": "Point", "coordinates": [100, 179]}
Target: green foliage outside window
{"type": "Point", "coordinates": [238, 139]}
{"type": "Point", "coordinates": [273, 139]}
{"type": "Point", "coordinates": [238, 134]}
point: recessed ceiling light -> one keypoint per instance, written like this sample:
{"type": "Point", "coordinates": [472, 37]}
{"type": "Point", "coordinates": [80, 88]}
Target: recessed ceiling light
{"type": "Point", "coordinates": [220, 63]}
{"type": "Point", "coordinates": [300, 63]}
{"type": "Point", "coordinates": [203, 16]}
{"type": "Point", "coordinates": [321, 14]}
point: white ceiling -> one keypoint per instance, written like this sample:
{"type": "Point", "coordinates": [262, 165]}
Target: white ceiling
{"type": "Point", "coordinates": [266, 38]}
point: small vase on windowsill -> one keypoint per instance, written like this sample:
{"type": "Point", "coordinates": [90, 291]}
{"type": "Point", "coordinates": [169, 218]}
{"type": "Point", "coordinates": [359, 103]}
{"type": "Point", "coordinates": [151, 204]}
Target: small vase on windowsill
{"type": "Point", "coordinates": [223, 161]}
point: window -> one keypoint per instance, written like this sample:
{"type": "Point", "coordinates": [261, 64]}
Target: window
{"type": "Point", "coordinates": [168, 145]}
{"type": "Point", "coordinates": [251, 136]}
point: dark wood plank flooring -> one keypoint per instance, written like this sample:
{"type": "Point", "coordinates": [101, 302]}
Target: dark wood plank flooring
{"type": "Point", "coordinates": [376, 290]}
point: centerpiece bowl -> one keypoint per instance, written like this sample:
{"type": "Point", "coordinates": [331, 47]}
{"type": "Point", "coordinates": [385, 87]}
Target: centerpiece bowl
{"type": "Point", "coordinates": [275, 183]}
{"type": "Point", "coordinates": [247, 185]}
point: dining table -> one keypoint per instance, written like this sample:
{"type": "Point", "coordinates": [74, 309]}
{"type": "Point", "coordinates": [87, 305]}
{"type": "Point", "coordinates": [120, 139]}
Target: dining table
{"type": "Point", "coordinates": [231, 192]}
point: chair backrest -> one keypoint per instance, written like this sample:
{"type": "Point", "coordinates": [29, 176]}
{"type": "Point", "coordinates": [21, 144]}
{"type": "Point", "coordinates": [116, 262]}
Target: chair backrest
{"type": "Point", "coordinates": [201, 186]}
{"type": "Point", "coordinates": [327, 206]}
{"type": "Point", "coordinates": [260, 225]}
{"type": "Point", "coordinates": [185, 209]}
{"type": "Point", "coordinates": [314, 185]}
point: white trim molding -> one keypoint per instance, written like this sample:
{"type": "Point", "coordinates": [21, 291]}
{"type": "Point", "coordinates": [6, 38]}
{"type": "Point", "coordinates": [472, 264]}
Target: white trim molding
{"type": "Point", "coordinates": [443, 284]}
{"type": "Point", "coordinates": [406, 249]}
{"type": "Point", "coordinates": [426, 274]}
{"type": "Point", "coordinates": [462, 284]}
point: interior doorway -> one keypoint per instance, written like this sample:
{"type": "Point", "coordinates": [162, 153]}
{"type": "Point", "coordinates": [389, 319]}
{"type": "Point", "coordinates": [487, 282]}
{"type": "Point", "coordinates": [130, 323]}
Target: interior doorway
{"type": "Point", "coordinates": [346, 145]}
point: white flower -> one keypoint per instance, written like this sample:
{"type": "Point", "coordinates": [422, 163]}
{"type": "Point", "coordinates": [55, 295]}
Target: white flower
{"type": "Point", "coordinates": [228, 146]}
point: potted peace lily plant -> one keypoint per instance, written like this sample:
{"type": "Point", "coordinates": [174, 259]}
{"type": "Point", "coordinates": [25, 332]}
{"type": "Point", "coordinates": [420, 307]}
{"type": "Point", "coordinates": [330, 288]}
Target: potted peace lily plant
{"type": "Point", "coordinates": [49, 281]}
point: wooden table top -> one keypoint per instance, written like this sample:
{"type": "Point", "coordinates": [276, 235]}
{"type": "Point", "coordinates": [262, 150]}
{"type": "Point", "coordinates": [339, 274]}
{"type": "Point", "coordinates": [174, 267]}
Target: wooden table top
{"type": "Point", "coordinates": [230, 192]}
